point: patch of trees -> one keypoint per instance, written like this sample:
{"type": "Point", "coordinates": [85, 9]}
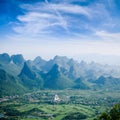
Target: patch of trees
{"type": "Point", "coordinates": [113, 114]}
{"type": "Point", "coordinates": [75, 116]}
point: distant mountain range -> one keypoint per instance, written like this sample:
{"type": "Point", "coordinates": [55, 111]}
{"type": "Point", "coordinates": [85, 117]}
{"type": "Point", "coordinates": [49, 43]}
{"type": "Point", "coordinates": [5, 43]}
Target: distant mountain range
{"type": "Point", "coordinates": [18, 75]}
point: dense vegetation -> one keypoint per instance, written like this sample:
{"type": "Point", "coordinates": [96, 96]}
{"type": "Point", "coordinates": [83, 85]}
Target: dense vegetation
{"type": "Point", "coordinates": [9, 85]}
{"type": "Point", "coordinates": [113, 114]}
{"type": "Point", "coordinates": [75, 116]}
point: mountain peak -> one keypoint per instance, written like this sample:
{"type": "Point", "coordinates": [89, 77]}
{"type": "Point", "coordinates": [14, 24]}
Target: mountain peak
{"type": "Point", "coordinates": [56, 80]}
{"type": "Point", "coordinates": [60, 58]}
{"type": "Point", "coordinates": [5, 58]}
{"type": "Point", "coordinates": [27, 71]}
{"type": "Point", "coordinates": [18, 59]}
{"type": "Point", "coordinates": [55, 70]}
{"type": "Point", "coordinates": [39, 60]}
{"type": "Point", "coordinates": [101, 80]}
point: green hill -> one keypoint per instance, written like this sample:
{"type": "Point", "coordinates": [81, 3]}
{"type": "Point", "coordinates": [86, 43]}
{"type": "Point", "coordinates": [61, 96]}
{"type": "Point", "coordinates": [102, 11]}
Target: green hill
{"type": "Point", "coordinates": [108, 82]}
{"type": "Point", "coordinates": [9, 85]}
{"type": "Point", "coordinates": [29, 78]}
{"type": "Point", "coordinates": [54, 79]}
{"type": "Point", "coordinates": [79, 84]}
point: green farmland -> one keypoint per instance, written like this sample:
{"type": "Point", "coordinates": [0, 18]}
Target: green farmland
{"type": "Point", "coordinates": [73, 104]}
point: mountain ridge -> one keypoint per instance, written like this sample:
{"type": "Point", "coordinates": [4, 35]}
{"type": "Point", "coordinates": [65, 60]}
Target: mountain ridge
{"type": "Point", "coordinates": [59, 73]}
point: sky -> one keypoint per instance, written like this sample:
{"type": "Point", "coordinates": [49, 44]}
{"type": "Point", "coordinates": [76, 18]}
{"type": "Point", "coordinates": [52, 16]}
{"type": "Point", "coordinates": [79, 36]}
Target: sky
{"type": "Point", "coordinates": [81, 29]}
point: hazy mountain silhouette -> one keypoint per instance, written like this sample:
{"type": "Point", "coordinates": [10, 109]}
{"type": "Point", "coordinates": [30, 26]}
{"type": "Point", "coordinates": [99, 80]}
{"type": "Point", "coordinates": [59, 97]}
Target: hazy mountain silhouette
{"type": "Point", "coordinates": [57, 73]}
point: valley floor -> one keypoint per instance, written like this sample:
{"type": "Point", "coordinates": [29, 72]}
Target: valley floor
{"type": "Point", "coordinates": [73, 104]}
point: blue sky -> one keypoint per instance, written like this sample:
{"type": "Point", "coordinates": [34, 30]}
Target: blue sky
{"type": "Point", "coordinates": [60, 27]}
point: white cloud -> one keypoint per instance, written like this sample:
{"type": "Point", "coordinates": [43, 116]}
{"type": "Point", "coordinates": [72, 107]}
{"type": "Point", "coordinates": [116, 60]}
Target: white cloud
{"type": "Point", "coordinates": [108, 36]}
{"type": "Point", "coordinates": [35, 23]}
{"type": "Point", "coordinates": [45, 17]}
{"type": "Point", "coordinates": [39, 22]}
{"type": "Point", "coordinates": [34, 16]}
{"type": "Point", "coordinates": [73, 9]}
{"type": "Point", "coordinates": [63, 7]}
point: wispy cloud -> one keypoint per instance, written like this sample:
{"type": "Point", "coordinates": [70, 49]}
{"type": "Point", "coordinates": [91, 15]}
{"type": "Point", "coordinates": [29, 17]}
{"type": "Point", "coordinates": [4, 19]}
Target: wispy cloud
{"type": "Point", "coordinates": [60, 17]}
{"type": "Point", "coordinates": [73, 9]}
{"type": "Point", "coordinates": [108, 36]}
{"type": "Point", "coordinates": [47, 17]}
{"type": "Point", "coordinates": [35, 23]}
